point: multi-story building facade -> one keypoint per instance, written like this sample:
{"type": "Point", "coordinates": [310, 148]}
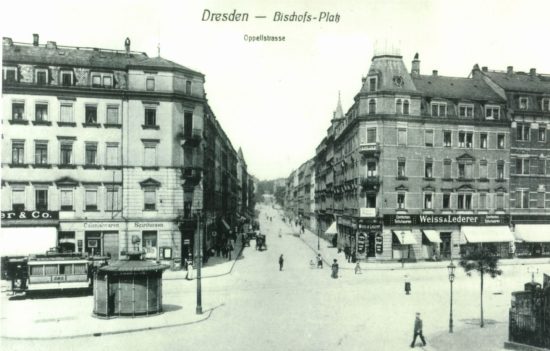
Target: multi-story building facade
{"type": "Point", "coordinates": [417, 167]}
{"type": "Point", "coordinates": [109, 148]}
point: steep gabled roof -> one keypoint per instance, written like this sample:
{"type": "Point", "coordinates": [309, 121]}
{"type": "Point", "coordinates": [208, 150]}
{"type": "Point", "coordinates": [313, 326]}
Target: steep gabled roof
{"type": "Point", "coordinates": [455, 88]}
{"type": "Point", "coordinates": [520, 81]}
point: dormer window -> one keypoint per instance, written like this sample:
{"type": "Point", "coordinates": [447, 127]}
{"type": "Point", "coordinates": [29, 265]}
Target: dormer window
{"type": "Point", "coordinates": [107, 81]}
{"type": "Point", "coordinates": [66, 78]}
{"type": "Point", "coordinates": [492, 112]}
{"type": "Point", "coordinates": [523, 103]}
{"type": "Point", "coordinates": [466, 110]}
{"type": "Point", "coordinates": [102, 80]}
{"type": "Point", "coordinates": [96, 80]}
{"type": "Point", "coordinates": [545, 104]}
{"type": "Point", "coordinates": [373, 83]}
{"type": "Point", "coordinates": [41, 76]}
{"type": "Point", "coordinates": [439, 109]}
{"type": "Point", "coordinates": [10, 74]}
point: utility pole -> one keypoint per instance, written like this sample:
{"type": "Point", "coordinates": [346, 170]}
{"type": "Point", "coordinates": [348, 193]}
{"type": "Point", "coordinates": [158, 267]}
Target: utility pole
{"type": "Point", "coordinates": [198, 255]}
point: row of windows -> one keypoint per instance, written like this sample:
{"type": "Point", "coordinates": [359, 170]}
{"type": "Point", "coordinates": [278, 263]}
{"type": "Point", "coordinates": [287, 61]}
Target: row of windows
{"type": "Point", "coordinates": [66, 199]}
{"type": "Point", "coordinates": [523, 103]}
{"type": "Point", "coordinates": [463, 201]}
{"type": "Point", "coordinates": [66, 113]}
{"type": "Point", "coordinates": [526, 199]}
{"type": "Point", "coordinates": [523, 132]}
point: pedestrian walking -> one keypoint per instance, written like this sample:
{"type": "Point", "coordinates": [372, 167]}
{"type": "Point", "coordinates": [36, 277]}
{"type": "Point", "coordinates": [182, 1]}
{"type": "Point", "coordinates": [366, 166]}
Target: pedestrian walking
{"type": "Point", "coordinates": [334, 269]}
{"type": "Point", "coordinates": [418, 330]}
{"type": "Point", "coordinates": [358, 269]}
{"type": "Point", "coordinates": [319, 261]}
{"type": "Point", "coordinates": [407, 285]}
{"type": "Point", "coordinates": [281, 262]}
{"type": "Point", "coordinates": [189, 275]}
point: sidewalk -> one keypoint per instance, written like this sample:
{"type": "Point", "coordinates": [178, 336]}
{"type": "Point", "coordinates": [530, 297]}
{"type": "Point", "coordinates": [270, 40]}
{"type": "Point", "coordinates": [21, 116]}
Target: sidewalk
{"type": "Point", "coordinates": [471, 337]}
{"type": "Point", "coordinates": [329, 253]}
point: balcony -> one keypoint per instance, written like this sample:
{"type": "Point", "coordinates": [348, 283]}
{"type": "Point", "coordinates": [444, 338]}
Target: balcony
{"type": "Point", "coordinates": [191, 137]}
{"type": "Point", "coordinates": [370, 150]}
{"type": "Point", "coordinates": [371, 183]}
{"type": "Point", "coordinates": [191, 175]}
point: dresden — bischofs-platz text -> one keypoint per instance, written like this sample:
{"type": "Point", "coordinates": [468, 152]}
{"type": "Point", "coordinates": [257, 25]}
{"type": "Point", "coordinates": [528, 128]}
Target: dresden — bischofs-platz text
{"type": "Point", "coordinates": [304, 17]}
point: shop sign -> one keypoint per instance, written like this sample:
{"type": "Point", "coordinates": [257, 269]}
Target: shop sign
{"type": "Point", "coordinates": [361, 239]}
{"type": "Point", "coordinates": [149, 225]}
{"type": "Point", "coordinates": [367, 212]}
{"type": "Point", "coordinates": [451, 219]}
{"type": "Point", "coordinates": [379, 243]}
{"type": "Point", "coordinates": [94, 225]}
{"type": "Point", "coordinates": [30, 215]}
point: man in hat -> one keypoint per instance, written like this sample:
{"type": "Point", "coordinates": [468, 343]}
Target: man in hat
{"type": "Point", "coordinates": [281, 261]}
{"type": "Point", "coordinates": [418, 330]}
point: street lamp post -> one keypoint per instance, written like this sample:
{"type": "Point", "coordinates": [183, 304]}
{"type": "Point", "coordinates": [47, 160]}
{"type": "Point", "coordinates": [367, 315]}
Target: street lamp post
{"type": "Point", "coordinates": [402, 249]}
{"type": "Point", "coordinates": [198, 239]}
{"type": "Point", "coordinates": [318, 237]}
{"type": "Point", "coordinates": [451, 268]}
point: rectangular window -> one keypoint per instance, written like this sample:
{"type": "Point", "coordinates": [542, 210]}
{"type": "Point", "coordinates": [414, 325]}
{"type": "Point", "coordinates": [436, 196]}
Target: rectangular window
{"type": "Point", "coordinates": [540, 199]}
{"type": "Point", "coordinates": [150, 84]}
{"type": "Point", "coordinates": [112, 114]}
{"type": "Point", "coordinates": [41, 77]}
{"type": "Point", "coordinates": [66, 153]}
{"type": "Point", "coordinates": [523, 132]}
{"type": "Point", "coordinates": [372, 84]}
{"type": "Point", "coordinates": [492, 112]}
{"type": "Point", "coordinates": [542, 133]}
{"type": "Point", "coordinates": [523, 103]}
{"type": "Point", "coordinates": [500, 170]}
{"type": "Point", "coordinates": [465, 139]}
{"type": "Point", "coordinates": [372, 106]}
{"type": "Point", "coordinates": [41, 112]}
{"type": "Point", "coordinates": [428, 205]}
{"type": "Point", "coordinates": [96, 80]}
{"type": "Point", "coordinates": [406, 107]}
{"type": "Point", "coordinates": [112, 155]}
{"type": "Point", "coordinates": [439, 109]}
{"type": "Point", "coordinates": [371, 135]}
{"type": "Point", "coordinates": [18, 110]}
{"type": "Point", "coordinates": [67, 78]}
{"type": "Point", "coordinates": [41, 196]}
{"type": "Point", "coordinates": [466, 111]}
{"type": "Point", "coordinates": [500, 141]}
{"type": "Point", "coordinates": [150, 117]}
{"type": "Point", "coordinates": [91, 200]}
{"type": "Point", "coordinates": [400, 201]}
{"type": "Point", "coordinates": [464, 201]}
{"type": "Point", "coordinates": [429, 138]}
{"type": "Point", "coordinates": [41, 153]}
{"type": "Point", "coordinates": [500, 201]}
{"type": "Point", "coordinates": [483, 169]}
{"type": "Point", "coordinates": [66, 113]}
{"type": "Point", "coordinates": [187, 124]}
{"type": "Point", "coordinates": [66, 200]}
{"type": "Point", "coordinates": [447, 138]}
{"type": "Point", "coordinates": [91, 153]}
{"type": "Point", "coordinates": [91, 114]}
{"type": "Point", "coordinates": [542, 165]}
{"type": "Point", "coordinates": [107, 81]}
{"type": "Point", "coordinates": [428, 169]}
{"type": "Point", "coordinates": [150, 156]}
{"type": "Point", "coordinates": [150, 199]}
{"type": "Point", "coordinates": [447, 169]}
{"type": "Point", "coordinates": [465, 170]}
{"type": "Point", "coordinates": [402, 137]}
{"type": "Point", "coordinates": [18, 152]}
{"type": "Point", "coordinates": [18, 199]}
{"type": "Point", "coordinates": [10, 74]}
{"type": "Point", "coordinates": [371, 169]}
{"type": "Point", "coordinates": [401, 168]}
{"type": "Point", "coordinates": [371, 201]}
{"type": "Point", "coordinates": [446, 201]}
{"type": "Point", "coordinates": [112, 202]}
{"type": "Point", "coordinates": [522, 166]}
{"type": "Point", "coordinates": [482, 201]}
{"type": "Point", "coordinates": [522, 198]}
{"type": "Point", "coordinates": [483, 140]}
{"type": "Point", "coordinates": [188, 87]}
{"type": "Point", "coordinates": [545, 104]}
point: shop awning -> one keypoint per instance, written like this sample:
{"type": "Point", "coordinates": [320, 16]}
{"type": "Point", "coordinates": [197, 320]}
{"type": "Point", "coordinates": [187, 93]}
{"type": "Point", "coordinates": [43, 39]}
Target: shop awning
{"type": "Point", "coordinates": [487, 234]}
{"type": "Point", "coordinates": [332, 229]}
{"type": "Point", "coordinates": [533, 233]}
{"type": "Point", "coordinates": [405, 237]}
{"type": "Point", "coordinates": [17, 241]}
{"type": "Point", "coordinates": [225, 224]}
{"type": "Point", "coordinates": [432, 236]}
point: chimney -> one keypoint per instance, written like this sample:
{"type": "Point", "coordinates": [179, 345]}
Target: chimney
{"type": "Point", "coordinates": [7, 41]}
{"type": "Point", "coordinates": [484, 69]}
{"type": "Point", "coordinates": [51, 45]}
{"type": "Point", "coordinates": [510, 70]}
{"type": "Point", "coordinates": [533, 72]}
{"type": "Point", "coordinates": [35, 39]}
{"type": "Point", "coordinates": [434, 73]}
{"type": "Point", "coordinates": [127, 45]}
{"type": "Point", "coordinates": [415, 67]}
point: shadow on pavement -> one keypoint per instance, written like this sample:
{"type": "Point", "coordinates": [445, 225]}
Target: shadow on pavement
{"type": "Point", "coordinates": [170, 308]}
{"type": "Point", "coordinates": [51, 294]}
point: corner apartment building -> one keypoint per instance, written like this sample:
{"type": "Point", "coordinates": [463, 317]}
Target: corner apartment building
{"type": "Point", "coordinates": [106, 150]}
{"type": "Point", "coordinates": [418, 167]}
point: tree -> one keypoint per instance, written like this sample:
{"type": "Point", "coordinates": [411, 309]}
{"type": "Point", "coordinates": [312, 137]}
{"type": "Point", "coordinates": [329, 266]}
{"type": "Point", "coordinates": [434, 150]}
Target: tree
{"type": "Point", "coordinates": [480, 259]}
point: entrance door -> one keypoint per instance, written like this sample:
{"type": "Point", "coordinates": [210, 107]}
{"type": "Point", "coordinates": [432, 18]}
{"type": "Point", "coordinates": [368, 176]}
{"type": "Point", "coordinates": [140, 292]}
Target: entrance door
{"type": "Point", "coordinates": [92, 243]}
{"type": "Point", "coordinates": [371, 247]}
{"type": "Point", "coordinates": [110, 244]}
{"type": "Point", "coordinates": [445, 248]}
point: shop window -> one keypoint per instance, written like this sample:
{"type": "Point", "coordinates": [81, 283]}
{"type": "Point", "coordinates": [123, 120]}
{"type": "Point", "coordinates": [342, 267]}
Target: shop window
{"type": "Point", "coordinates": [41, 153]}
{"type": "Point", "coordinates": [447, 138]}
{"type": "Point", "coordinates": [446, 201]}
{"type": "Point", "coordinates": [67, 200]}
{"type": "Point", "coordinates": [18, 152]}
{"type": "Point", "coordinates": [18, 111]}
{"type": "Point", "coordinates": [464, 201]}
{"type": "Point", "coordinates": [41, 112]}
{"type": "Point", "coordinates": [91, 114]}
{"type": "Point", "coordinates": [41, 196]}
{"type": "Point", "coordinates": [483, 140]}
{"type": "Point", "coordinates": [150, 244]}
{"type": "Point", "coordinates": [18, 199]}
{"type": "Point", "coordinates": [150, 199]}
{"type": "Point", "coordinates": [428, 204]}
{"type": "Point", "coordinates": [66, 243]}
{"type": "Point", "coordinates": [91, 199]}
{"type": "Point", "coordinates": [91, 154]}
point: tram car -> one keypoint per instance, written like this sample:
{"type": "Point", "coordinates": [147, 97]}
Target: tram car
{"type": "Point", "coordinates": [52, 271]}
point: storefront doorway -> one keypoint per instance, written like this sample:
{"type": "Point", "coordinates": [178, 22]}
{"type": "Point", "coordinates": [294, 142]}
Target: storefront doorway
{"type": "Point", "coordinates": [92, 243]}
{"type": "Point", "coordinates": [371, 246]}
{"type": "Point", "coordinates": [446, 247]}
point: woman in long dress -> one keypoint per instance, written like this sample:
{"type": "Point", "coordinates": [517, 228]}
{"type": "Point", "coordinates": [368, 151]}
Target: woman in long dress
{"type": "Point", "coordinates": [335, 269]}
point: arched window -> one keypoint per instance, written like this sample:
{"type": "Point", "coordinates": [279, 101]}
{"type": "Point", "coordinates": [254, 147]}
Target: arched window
{"type": "Point", "coordinates": [372, 107]}
{"type": "Point", "coordinates": [406, 107]}
{"type": "Point", "coordinates": [398, 106]}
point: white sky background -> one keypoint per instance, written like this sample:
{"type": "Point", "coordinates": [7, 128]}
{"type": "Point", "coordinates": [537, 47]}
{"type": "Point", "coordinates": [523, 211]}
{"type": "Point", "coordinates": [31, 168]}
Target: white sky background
{"type": "Point", "coordinates": [275, 100]}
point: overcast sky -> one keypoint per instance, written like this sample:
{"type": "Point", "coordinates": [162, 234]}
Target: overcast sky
{"type": "Point", "coordinates": [275, 99]}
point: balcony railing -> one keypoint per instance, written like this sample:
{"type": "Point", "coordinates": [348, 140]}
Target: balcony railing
{"type": "Point", "coordinates": [191, 137]}
{"type": "Point", "coordinates": [193, 174]}
{"type": "Point", "coordinates": [370, 149]}
{"type": "Point", "coordinates": [371, 183]}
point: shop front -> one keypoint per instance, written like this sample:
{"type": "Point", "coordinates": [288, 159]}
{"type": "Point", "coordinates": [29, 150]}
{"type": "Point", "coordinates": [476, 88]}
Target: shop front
{"type": "Point", "coordinates": [498, 239]}
{"type": "Point", "coordinates": [161, 241]}
{"type": "Point", "coordinates": [369, 238]}
{"type": "Point", "coordinates": [93, 238]}
{"type": "Point", "coordinates": [532, 240]}
{"type": "Point", "coordinates": [28, 232]}
{"type": "Point", "coordinates": [347, 229]}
